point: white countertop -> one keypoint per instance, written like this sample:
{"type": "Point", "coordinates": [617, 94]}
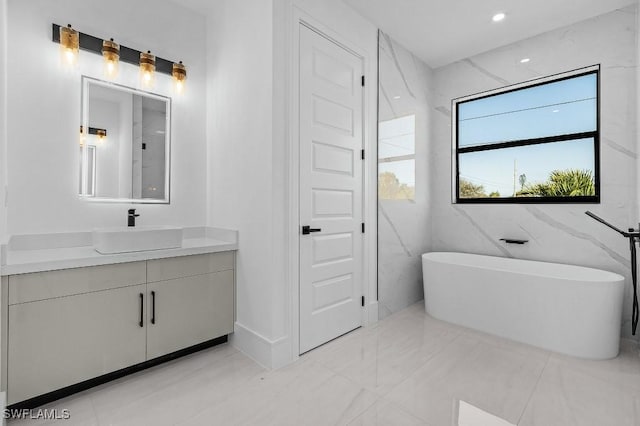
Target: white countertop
{"type": "Point", "coordinates": [35, 254]}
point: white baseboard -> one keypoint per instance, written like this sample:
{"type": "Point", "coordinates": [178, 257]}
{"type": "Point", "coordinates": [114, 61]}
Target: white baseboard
{"type": "Point", "coordinates": [274, 354]}
{"type": "Point", "coordinates": [269, 353]}
{"type": "Point", "coordinates": [372, 313]}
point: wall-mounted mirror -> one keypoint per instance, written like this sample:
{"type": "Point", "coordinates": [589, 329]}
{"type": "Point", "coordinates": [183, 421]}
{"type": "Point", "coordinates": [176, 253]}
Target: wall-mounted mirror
{"type": "Point", "coordinates": [125, 144]}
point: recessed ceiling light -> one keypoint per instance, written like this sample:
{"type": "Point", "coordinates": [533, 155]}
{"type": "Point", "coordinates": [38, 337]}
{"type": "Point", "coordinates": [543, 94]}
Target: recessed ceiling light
{"type": "Point", "coordinates": [524, 60]}
{"type": "Point", "coordinates": [556, 110]}
{"type": "Point", "coordinates": [499, 17]}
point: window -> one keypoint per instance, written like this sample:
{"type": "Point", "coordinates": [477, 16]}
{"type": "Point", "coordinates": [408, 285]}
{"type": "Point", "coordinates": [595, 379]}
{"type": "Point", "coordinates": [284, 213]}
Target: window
{"type": "Point", "coordinates": [397, 159]}
{"type": "Point", "coordinates": [537, 142]}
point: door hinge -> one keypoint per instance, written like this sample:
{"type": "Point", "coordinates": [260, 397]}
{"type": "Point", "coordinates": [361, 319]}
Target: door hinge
{"type": "Point", "coordinates": [363, 81]}
{"type": "Point", "coordinates": [363, 301]}
{"type": "Point", "coordinates": [362, 154]}
{"type": "Point", "coordinates": [363, 227]}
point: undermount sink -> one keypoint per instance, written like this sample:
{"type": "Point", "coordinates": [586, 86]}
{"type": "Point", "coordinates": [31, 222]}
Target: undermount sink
{"type": "Point", "coordinates": [139, 238]}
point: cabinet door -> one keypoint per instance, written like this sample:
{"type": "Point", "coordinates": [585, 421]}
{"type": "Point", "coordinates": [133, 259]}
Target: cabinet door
{"type": "Point", "coordinates": [189, 311]}
{"type": "Point", "coordinates": [58, 342]}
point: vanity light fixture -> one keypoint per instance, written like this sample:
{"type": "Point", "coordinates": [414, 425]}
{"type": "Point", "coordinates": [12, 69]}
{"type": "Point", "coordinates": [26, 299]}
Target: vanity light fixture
{"type": "Point", "coordinates": [100, 133]}
{"type": "Point", "coordinates": [499, 17]}
{"type": "Point", "coordinates": [68, 37]}
{"type": "Point", "coordinates": [179, 73]}
{"type": "Point", "coordinates": [111, 55]}
{"type": "Point", "coordinates": [83, 138]}
{"type": "Point", "coordinates": [147, 68]}
{"type": "Point", "coordinates": [69, 44]}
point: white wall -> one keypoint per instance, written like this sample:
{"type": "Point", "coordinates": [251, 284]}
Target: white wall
{"type": "Point", "coordinates": [3, 117]}
{"type": "Point", "coordinates": [239, 131]}
{"type": "Point", "coordinates": [405, 85]}
{"type": "Point", "coordinates": [3, 126]}
{"type": "Point", "coordinates": [249, 52]}
{"type": "Point", "coordinates": [44, 117]}
{"type": "Point", "coordinates": [556, 233]}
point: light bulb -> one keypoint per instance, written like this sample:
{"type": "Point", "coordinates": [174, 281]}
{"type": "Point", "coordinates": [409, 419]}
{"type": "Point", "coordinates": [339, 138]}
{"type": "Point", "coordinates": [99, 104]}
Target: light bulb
{"type": "Point", "coordinates": [69, 45]}
{"type": "Point", "coordinates": [102, 135]}
{"type": "Point", "coordinates": [111, 55]}
{"type": "Point", "coordinates": [70, 56]}
{"type": "Point", "coordinates": [147, 69]}
{"type": "Point", "coordinates": [179, 73]}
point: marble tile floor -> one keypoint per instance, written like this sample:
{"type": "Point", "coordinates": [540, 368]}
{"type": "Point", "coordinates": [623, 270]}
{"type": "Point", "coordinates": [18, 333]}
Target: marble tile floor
{"type": "Point", "coordinates": [408, 369]}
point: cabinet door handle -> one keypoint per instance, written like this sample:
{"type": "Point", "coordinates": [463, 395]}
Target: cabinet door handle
{"type": "Point", "coordinates": [153, 307]}
{"type": "Point", "coordinates": [141, 323]}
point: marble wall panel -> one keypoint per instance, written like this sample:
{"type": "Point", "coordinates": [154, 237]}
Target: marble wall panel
{"type": "Point", "coordinates": [405, 85]}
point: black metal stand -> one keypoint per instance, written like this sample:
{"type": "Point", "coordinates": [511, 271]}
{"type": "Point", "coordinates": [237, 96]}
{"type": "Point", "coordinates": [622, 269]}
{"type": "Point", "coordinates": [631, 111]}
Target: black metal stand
{"type": "Point", "coordinates": [634, 236]}
{"type": "Point", "coordinates": [634, 279]}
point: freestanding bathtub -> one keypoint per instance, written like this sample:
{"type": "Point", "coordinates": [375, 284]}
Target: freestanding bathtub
{"type": "Point", "coordinates": [568, 309]}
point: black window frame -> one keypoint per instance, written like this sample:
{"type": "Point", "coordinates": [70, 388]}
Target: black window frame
{"type": "Point", "coordinates": [591, 199]}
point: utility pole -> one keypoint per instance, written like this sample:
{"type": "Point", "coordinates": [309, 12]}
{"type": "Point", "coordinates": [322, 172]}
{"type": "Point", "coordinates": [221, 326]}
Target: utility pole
{"type": "Point", "coordinates": [515, 170]}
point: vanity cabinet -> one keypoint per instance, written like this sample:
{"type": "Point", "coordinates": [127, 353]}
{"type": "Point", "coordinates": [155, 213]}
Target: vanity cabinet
{"type": "Point", "coordinates": [55, 343]}
{"type": "Point", "coordinates": [72, 325]}
{"type": "Point", "coordinates": [191, 301]}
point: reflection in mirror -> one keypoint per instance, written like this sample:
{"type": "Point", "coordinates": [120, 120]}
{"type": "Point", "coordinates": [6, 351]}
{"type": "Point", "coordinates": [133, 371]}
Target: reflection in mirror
{"type": "Point", "coordinates": [90, 183]}
{"type": "Point", "coordinates": [131, 162]}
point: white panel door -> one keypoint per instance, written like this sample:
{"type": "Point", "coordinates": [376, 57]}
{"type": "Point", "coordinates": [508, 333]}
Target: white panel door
{"type": "Point", "coordinates": [331, 180]}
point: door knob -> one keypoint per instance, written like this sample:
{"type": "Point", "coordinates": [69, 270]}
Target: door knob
{"type": "Point", "coordinates": [306, 230]}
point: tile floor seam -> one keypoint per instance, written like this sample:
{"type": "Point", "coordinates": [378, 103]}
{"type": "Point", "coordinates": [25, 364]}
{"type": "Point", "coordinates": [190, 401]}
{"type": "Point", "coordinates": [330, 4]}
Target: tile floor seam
{"type": "Point", "coordinates": [235, 390]}
{"type": "Point", "coordinates": [602, 378]}
{"type": "Point", "coordinates": [411, 376]}
{"type": "Point", "coordinates": [392, 388]}
{"type": "Point", "coordinates": [365, 387]}
{"type": "Point", "coordinates": [364, 410]}
{"type": "Point", "coordinates": [533, 391]}
{"type": "Point", "coordinates": [162, 367]}
{"type": "Point", "coordinates": [322, 382]}
{"type": "Point", "coordinates": [94, 411]}
{"type": "Point", "coordinates": [401, 408]}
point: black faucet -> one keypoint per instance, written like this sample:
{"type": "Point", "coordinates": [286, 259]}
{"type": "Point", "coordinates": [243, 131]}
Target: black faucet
{"type": "Point", "coordinates": [634, 237]}
{"type": "Point", "coordinates": [131, 217]}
